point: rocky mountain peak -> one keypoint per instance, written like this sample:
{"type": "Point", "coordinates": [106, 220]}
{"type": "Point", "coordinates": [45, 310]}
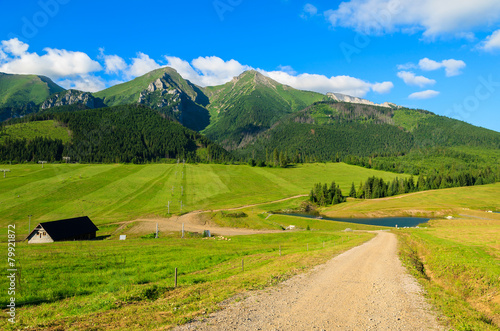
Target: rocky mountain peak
{"type": "Point", "coordinates": [71, 97]}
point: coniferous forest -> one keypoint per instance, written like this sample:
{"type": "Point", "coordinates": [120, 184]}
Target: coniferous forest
{"type": "Point", "coordinates": [130, 134]}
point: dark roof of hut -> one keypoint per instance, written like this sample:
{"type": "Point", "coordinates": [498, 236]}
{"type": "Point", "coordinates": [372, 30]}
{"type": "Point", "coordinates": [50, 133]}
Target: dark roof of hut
{"type": "Point", "coordinates": [68, 228]}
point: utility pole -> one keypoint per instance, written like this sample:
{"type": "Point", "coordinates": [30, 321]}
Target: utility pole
{"type": "Point", "coordinates": [5, 171]}
{"type": "Point", "coordinates": [42, 162]}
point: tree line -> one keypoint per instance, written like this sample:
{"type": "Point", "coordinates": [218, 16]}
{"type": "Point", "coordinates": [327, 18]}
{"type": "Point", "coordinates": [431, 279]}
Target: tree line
{"type": "Point", "coordinates": [129, 134]}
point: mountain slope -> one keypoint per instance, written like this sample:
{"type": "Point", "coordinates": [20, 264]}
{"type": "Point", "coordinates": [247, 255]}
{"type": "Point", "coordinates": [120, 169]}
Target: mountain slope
{"type": "Point", "coordinates": [250, 104]}
{"type": "Point", "coordinates": [329, 130]}
{"type": "Point", "coordinates": [21, 94]}
{"type": "Point", "coordinates": [125, 133]}
{"type": "Point", "coordinates": [163, 89]}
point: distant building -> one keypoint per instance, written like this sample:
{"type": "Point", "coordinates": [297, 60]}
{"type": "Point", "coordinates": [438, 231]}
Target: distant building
{"type": "Point", "coordinates": [78, 228]}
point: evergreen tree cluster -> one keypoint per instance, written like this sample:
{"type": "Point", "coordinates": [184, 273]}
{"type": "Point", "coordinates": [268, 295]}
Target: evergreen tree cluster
{"type": "Point", "coordinates": [130, 133]}
{"type": "Point", "coordinates": [323, 195]}
{"type": "Point", "coordinates": [374, 188]}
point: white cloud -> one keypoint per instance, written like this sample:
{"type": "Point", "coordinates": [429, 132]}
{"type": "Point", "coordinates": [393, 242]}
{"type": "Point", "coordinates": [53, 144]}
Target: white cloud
{"type": "Point", "coordinates": [209, 71]}
{"type": "Point", "coordinates": [55, 63]}
{"type": "Point", "coordinates": [14, 46]}
{"type": "Point", "coordinates": [383, 88]}
{"type": "Point", "coordinates": [88, 83]}
{"type": "Point", "coordinates": [452, 67]}
{"type": "Point", "coordinates": [78, 71]}
{"type": "Point", "coordinates": [309, 11]}
{"type": "Point", "coordinates": [287, 69]}
{"type": "Point", "coordinates": [411, 79]}
{"type": "Point", "coordinates": [407, 66]}
{"type": "Point", "coordinates": [424, 94]}
{"type": "Point", "coordinates": [492, 42]}
{"type": "Point", "coordinates": [435, 18]}
{"type": "Point", "coordinates": [114, 64]}
{"type": "Point", "coordinates": [142, 64]}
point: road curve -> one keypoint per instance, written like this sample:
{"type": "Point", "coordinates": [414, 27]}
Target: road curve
{"type": "Point", "coordinates": [365, 288]}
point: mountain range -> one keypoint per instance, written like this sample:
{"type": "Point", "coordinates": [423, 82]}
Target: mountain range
{"type": "Point", "coordinates": [252, 115]}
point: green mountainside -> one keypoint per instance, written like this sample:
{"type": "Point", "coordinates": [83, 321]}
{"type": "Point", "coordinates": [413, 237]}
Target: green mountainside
{"type": "Point", "coordinates": [254, 116]}
{"type": "Point", "coordinates": [165, 90]}
{"type": "Point", "coordinates": [250, 104]}
{"type": "Point", "coordinates": [125, 133]}
{"type": "Point", "coordinates": [392, 139]}
{"type": "Point", "coordinates": [21, 94]}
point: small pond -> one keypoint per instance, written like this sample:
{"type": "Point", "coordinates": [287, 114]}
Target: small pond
{"type": "Point", "coordinates": [401, 222]}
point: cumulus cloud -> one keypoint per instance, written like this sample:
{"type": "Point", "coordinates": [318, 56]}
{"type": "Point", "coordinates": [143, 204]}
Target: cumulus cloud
{"type": "Point", "coordinates": [287, 69]}
{"type": "Point", "coordinates": [424, 94]}
{"type": "Point", "coordinates": [113, 64]}
{"type": "Point", "coordinates": [55, 63]}
{"type": "Point", "coordinates": [309, 11]}
{"type": "Point", "coordinates": [383, 88]}
{"type": "Point", "coordinates": [434, 18]}
{"type": "Point", "coordinates": [452, 67]}
{"type": "Point", "coordinates": [78, 71]}
{"type": "Point", "coordinates": [411, 79]}
{"type": "Point", "coordinates": [492, 42]}
{"type": "Point", "coordinates": [14, 47]}
{"type": "Point", "coordinates": [142, 64]}
{"type": "Point", "coordinates": [87, 83]}
{"type": "Point", "coordinates": [207, 71]}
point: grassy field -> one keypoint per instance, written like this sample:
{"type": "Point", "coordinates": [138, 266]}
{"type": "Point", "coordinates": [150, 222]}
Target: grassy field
{"type": "Point", "coordinates": [458, 262]}
{"type": "Point", "coordinates": [116, 192]}
{"type": "Point", "coordinates": [30, 130]}
{"type": "Point", "coordinates": [438, 203]}
{"type": "Point", "coordinates": [105, 285]}
{"type": "Point", "coordinates": [129, 284]}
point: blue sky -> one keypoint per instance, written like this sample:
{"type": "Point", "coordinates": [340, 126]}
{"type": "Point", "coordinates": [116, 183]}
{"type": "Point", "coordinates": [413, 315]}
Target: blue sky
{"type": "Point", "coordinates": [442, 56]}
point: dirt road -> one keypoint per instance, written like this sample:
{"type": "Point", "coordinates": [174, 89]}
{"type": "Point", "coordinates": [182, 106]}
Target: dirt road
{"type": "Point", "coordinates": [365, 288]}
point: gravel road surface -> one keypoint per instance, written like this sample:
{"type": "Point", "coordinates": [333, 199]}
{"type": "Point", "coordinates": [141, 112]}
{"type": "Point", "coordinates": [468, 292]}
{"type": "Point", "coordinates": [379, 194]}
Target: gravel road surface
{"type": "Point", "coordinates": [365, 288]}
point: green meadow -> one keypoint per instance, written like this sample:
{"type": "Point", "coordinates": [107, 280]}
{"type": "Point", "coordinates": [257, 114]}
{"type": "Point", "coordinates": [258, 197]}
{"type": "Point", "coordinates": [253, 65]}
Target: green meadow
{"type": "Point", "coordinates": [116, 192]}
{"type": "Point", "coordinates": [48, 129]}
{"type": "Point", "coordinates": [113, 285]}
{"type": "Point", "coordinates": [458, 263]}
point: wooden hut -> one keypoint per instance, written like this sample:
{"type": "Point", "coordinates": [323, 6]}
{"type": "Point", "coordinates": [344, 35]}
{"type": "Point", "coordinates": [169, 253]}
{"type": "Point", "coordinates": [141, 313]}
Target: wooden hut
{"type": "Point", "coordinates": [78, 228]}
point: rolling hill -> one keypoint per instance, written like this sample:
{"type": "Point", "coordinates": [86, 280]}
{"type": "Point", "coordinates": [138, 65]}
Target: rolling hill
{"type": "Point", "coordinates": [21, 94]}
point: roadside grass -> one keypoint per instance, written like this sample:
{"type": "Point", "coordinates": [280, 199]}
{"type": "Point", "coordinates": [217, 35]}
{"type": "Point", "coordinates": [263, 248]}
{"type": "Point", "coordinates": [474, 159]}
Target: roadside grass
{"type": "Point", "coordinates": [111, 193]}
{"type": "Point", "coordinates": [458, 263]}
{"type": "Point", "coordinates": [94, 284]}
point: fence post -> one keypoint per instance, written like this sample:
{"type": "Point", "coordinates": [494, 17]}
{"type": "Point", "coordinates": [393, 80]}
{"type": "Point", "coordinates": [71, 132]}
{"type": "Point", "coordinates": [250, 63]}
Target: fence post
{"type": "Point", "coordinates": [175, 284]}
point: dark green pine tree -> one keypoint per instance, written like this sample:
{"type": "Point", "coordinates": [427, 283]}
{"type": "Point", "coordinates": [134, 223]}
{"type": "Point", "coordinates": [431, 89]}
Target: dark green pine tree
{"type": "Point", "coordinates": [352, 193]}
